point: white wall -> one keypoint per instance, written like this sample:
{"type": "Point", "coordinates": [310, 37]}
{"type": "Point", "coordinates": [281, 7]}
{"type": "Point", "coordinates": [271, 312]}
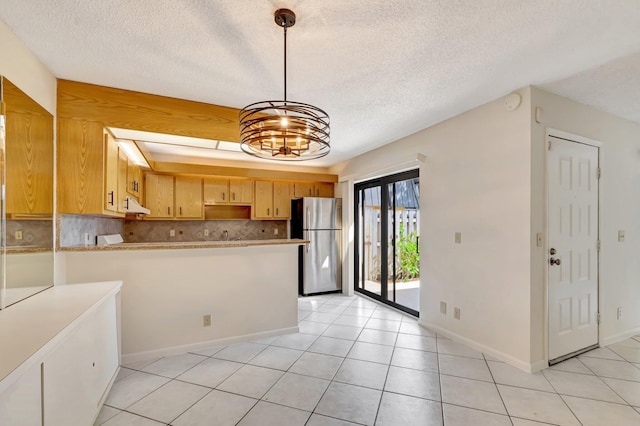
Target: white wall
{"type": "Point", "coordinates": [165, 293]}
{"type": "Point", "coordinates": [25, 70]}
{"type": "Point", "coordinates": [475, 180]}
{"type": "Point", "coordinates": [619, 210]}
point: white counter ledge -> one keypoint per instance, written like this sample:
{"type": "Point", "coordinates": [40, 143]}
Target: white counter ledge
{"type": "Point", "coordinates": [41, 321]}
{"type": "Point", "coordinates": [186, 245]}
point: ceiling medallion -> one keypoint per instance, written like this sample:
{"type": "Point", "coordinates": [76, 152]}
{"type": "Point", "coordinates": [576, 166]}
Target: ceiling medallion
{"type": "Point", "coordinates": [284, 130]}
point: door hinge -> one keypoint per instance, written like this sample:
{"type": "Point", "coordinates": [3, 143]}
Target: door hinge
{"type": "Point", "coordinates": [598, 173]}
{"type": "Point", "coordinates": [598, 246]}
{"type": "Point", "coordinates": [598, 318]}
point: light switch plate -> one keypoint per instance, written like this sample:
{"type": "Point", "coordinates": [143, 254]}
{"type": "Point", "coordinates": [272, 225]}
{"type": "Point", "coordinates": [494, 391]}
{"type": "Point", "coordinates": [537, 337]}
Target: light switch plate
{"type": "Point", "coordinates": [621, 236]}
{"type": "Point", "coordinates": [172, 232]}
{"type": "Point", "coordinates": [206, 232]}
{"type": "Point", "coordinates": [443, 308]}
{"type": "Point", "coordinates": [456, 313]}
{"type": "Point", "coordinates": [18, 235]}
{"type": "Point", "coordinates": [458, 237]}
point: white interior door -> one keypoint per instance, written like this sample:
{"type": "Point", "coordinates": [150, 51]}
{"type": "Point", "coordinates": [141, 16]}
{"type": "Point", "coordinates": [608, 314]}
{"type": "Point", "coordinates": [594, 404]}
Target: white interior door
{"type": "Point", "coordinates": [573, 255]}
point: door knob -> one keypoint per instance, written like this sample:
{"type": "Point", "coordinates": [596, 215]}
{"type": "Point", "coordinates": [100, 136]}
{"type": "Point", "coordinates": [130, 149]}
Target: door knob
{"type": "Point", "coordinates": [552, 251]}
{"type": "Point", "coordinates": [553, 261]}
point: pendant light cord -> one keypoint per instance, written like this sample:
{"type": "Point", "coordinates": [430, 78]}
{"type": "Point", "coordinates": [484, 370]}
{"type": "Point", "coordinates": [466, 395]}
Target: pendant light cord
{"type": "Point", "coordinates": [285, 62]}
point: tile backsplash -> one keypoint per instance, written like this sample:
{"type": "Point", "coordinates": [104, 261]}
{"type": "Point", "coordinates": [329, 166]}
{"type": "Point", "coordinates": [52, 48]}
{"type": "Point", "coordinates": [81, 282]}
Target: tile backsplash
{"type": "Point", "coordinates": [33, 233]}
{"type": "Point", "coordinates": [72, 229]}
{"type": "Point", "coordinates": [139, 231]}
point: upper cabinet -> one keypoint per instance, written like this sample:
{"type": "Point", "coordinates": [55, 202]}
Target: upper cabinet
{"type": "Point", "coordinates": [189, 198]}
{"type": "Point", "coordinates": [134, 178]}
{"type": "Point", "coordinates": [272, 200]}
{"type": "Point", "coordinates": [158, 190]}
{"type": "Point", "coordinates": [173, 197]}
{"type": "Point", "coordinates": [29, 164]}
{"type": "Point", "coordinates": [92, 170]}
{"type": "Point", "coordinates": [312, 189]}
{"type": "Point", "coordinates": [221, 190]}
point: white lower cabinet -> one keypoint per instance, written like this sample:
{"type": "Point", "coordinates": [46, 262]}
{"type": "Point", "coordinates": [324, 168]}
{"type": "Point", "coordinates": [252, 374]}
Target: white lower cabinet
{"type": "Point", "coordinates": [21, 404]}
{"type": "Point", "coordinates": [69, 365]}
{"type": "Point", "coordinates": [77, 373]}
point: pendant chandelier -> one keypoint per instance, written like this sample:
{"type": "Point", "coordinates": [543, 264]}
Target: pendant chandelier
{"type": "Point", "coordinates": [284, 130]}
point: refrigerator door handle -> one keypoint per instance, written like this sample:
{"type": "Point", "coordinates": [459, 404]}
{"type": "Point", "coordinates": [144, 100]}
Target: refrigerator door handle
{"type": "Point", "coordinates": [308, 238]}
{"type": "Point", "coordinates": [308, 223]}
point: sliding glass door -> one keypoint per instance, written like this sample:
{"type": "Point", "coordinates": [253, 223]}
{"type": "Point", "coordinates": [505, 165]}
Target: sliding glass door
{"type": "Point", "coordinates": [387, 218]}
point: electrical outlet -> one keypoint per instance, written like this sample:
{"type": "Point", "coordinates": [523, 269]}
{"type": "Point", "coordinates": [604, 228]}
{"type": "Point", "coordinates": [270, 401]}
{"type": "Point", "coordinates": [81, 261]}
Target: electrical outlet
{"type": "Point", "coordinates": [275, 231]}
{"type": "Point", "coordinates": [458, 237]}
{"type": "Point", "coordinates": [172, 232]}
{"type": "Point", "coordinates": [619, 313]}
{"type": "Point", "coordinates": [443, 308]}
{"type": "Point", "coordinates": [206, 232]}
{"type": "Point", "coordinates": [621, 236]}
{"type": "Point", "coordinates": [206, 320]}
{"type": "Point", "coordinates": [18, 235]}
{"type": "Point", "coordinates": [456, 313]}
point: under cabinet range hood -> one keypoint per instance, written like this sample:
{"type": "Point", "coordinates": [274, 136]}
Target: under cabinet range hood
{"type": "Point", "coordinates": [133, 207]}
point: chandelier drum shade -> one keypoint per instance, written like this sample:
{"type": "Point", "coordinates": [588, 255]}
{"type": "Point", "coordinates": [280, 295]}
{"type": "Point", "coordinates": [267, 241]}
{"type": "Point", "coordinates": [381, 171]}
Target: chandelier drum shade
{"type": "Point", "coordinates": [282, 129]}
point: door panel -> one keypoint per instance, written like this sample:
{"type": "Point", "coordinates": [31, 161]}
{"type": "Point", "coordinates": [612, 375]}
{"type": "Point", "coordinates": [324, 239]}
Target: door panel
{"type": "Point", "coordinates": [387, 226]}
{"type": "Point", "coordinates": [573, 236]}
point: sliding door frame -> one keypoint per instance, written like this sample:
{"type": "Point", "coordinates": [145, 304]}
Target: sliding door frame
{"type": "Point", "coordinates": [383, 183]}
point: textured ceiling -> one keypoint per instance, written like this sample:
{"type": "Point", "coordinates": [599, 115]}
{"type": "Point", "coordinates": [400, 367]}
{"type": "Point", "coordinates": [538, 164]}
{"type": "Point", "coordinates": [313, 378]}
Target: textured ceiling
{"type": "Point", "coordinates": [381, 69]}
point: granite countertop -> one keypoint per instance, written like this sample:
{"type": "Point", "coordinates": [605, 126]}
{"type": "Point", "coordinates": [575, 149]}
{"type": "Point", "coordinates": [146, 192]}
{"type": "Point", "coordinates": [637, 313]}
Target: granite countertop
{"type": "Point", "coordinates": [186, 245]}
{"type": "Point", "coordinates": [28, 249]}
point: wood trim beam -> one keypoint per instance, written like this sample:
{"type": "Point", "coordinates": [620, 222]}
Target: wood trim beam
{"type": "Point", "coordinates": [205, 170]}
{"type": "Point", "coordinates": [142, 111]}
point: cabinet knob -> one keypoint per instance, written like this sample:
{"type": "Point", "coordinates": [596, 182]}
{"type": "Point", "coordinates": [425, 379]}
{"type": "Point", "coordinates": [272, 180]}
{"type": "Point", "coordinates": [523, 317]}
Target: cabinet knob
{"type": "Point", "coordinates": [233, 194]}
{"type": "Point", "coordinates": [180, 211]}
{"type": "Point", "coordinates": [223, 196]}
{"type": "Point", "coordinates": [277, 210]}
{"type": "Point", "coordinates": [169, 211]}
{"type": "Point", "coordinates": [268, 212]}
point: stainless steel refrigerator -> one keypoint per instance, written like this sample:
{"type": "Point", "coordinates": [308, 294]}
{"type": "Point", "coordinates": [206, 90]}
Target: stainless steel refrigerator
{"type": "Point", "coordinates": [318, 220]}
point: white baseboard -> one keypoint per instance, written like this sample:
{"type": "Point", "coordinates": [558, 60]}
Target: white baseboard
{"type": "Point", "coordinates": [606, 341]}
{"type": "Point", "coordinates": [522, 365]}
{"type": "Point", "coordinates": [175, 350]}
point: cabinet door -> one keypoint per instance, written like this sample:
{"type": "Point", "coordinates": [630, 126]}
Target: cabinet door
{"type": "Point", "coordinates": [263, 204]}
{"type": "Point", "coordinates": [188, 197]}
{"type": "Point", "coordinates": [122, 181]}
{"type": "Point", "coordinates": [159, 195]}
{"type": "Point", "coordinates": [303, 189]}
{"type": "Point", "coordinates": [324, 189]}
{"type": "Point", "coordinates": [29, 164]}
{"type": "Point", "coordinates": [133, 179]}
{"type": "Point", "coordinates": [241, 191]}
{"type": "Point", "coordinates": [21, 404]}
{"type": "Point", "coordinates": [80, 170]}
{"type": "Point", "coordinates": [216, 190]}
{"type": "Point", "coordinates": [110, 173]}
{"type": "Point", "coordinates": [281, 200]}
{"type": "Point", "coordinates": [77, 373]}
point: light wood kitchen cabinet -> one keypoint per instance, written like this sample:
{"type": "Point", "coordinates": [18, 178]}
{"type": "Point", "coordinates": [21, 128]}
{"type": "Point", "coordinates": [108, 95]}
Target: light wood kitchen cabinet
{"type": "Point", "coordinates": [216, 190]}
{"type": "Point", "coordinates": [303, 189]}
{"type": "Point", "coordinates": [281, 200]}
{"type": "Point", "coordinates": [134, 176]}
{"type": "Point", "coordinates": [158, 191]}
{"type": "Point", "coordinates": [81, 168]}
{"type": "Point", "coordinates": [111, 199]}
{"type": "Point", "coordinates": [122, 181]}
{"type": "Point", "coordinates": [272, 200]}
{"type": "Point", "coordinates": [312, 189]}
{"type": "Point", "coordinates": [263, 200]}
{"type": "Point", "coordinates": [220, 190]}
{"type": "Point", "coordinates": [29, 164]}
{"type": "Point", "coordinates": [188, 198]}
{"type": "Point", "coordinates": [323, 189]}
{"type": "Point", "coordinates": [240, 191]}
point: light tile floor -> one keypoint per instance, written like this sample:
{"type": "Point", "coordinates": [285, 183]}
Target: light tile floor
{"type": "Point", "coordinates": [358, 362]}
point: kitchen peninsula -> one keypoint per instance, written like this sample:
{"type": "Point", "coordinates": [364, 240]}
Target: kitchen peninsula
{"type": "Point", "coordinates": [249, 289]}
